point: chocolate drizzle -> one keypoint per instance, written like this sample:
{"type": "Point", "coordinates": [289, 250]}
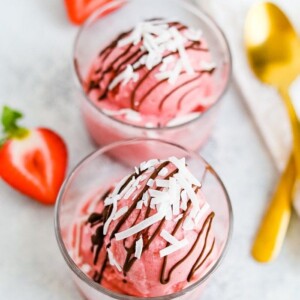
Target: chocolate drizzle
{"type": "Point", "coordinates": [165, 279]}
{"type": "Point", "coordinates": [131, 55]}
{"type": "Point", "coordinates": [97, 239]}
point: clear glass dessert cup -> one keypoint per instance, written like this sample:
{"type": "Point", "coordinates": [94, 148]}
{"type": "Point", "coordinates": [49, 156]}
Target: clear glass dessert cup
{"type": "Point", "coordinates": [101, 169]}
{"type": "Point", "coordinates": [102, 27]}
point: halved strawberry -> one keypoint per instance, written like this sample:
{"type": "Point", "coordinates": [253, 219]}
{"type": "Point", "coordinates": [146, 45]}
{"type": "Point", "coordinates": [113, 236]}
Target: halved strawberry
{"type": "Point", "coordinates": [32, 161]}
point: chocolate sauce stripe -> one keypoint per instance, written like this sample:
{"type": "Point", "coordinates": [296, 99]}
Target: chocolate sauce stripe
{"type": "Point", "coordinates": [179, 223]}
{"type": "Point", "coordinates": [166, 279]}
{"type": "Point", "coordinates": [164, 99]}
{"type": "Point", "coordinates": [195, 267]}
{"type": "Point", "coordinates": [204, 260]}
{"type": "Point", "coordinates": [110, 49]}
{"type": "Point", "coordinates": [99, 275]}
{"type": "Point", "coordinates": [181, 99]}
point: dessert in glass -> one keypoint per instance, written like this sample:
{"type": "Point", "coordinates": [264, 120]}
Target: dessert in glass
{"type": "Point", "coordinates": [151, 69]}
{"type": "Point", "coordinates": [155, 230]}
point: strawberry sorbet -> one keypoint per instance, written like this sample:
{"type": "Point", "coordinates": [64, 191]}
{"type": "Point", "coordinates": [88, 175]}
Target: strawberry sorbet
{"type": "Point", "coordinates": [158, 74]}
{"type": "Point", "coordinates": [150, 234]}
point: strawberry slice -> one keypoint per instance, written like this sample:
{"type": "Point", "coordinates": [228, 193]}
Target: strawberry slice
{"type": "Point", "coordinates": [79, 10]}
{"type": "Point", "coordinates": [32, 161]}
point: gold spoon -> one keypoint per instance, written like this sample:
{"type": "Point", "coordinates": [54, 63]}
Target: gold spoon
{"type": "Point", "coordinates": [273, 50]}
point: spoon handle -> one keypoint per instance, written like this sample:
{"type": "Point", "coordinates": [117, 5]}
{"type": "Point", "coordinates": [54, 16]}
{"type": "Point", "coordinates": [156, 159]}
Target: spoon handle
{"type": "Point", "coordinates": [273, 227]}
{"type": "Point", "coordinates": [294, 123]}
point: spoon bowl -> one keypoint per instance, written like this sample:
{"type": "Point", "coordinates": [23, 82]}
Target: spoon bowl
{"type": "Point", "coordinates": [272, 44]}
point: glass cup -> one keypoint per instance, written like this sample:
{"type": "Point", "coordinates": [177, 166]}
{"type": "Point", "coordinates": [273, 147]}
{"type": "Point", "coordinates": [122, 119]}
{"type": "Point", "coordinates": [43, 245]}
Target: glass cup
{"type": "Point", "coordinates": [101, 169]}
{"type": "Point", "coordinates": [99, 30]}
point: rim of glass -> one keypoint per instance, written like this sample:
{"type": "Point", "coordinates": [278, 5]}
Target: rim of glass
{"type": "Point", "coordinates": [81, 275]}
{"type": "Point", "coordinates": [187, 6]}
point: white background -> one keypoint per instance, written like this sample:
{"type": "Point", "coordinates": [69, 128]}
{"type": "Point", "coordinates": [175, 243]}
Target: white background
{"type": "Point", "coordinates": [36, 77]}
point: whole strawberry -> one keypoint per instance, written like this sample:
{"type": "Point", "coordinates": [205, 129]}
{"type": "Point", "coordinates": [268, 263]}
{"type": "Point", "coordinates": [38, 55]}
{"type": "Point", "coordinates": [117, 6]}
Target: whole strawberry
{"type": "Point", "coordinates": [33, 161]}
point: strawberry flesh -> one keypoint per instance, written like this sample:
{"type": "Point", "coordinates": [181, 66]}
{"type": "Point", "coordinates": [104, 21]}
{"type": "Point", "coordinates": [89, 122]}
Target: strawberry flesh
{"type": "Point", "coordinates": [35, 164]}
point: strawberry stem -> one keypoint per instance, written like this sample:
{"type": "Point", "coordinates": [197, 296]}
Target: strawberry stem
{"type": "Point", "coordinates": [11, 129]}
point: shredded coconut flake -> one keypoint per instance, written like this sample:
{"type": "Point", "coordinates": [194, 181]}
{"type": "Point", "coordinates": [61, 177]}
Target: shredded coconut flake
{"type": "Point", "coordinates": [139, 205]}
{"type": "Point", "coordinates": [148, 164]}
{"type": "Point", "coordinates": [180, 41]}
{"type": "Point", "coordinates": [125, 76]}
{"type": "Point", "coordinates": [173, 248]}
{"type": "Point", "coordinates": [145, 198]}
{"type": "Point", "coordinates": [111, 199]}
{"type": "Point", "coordinates": [169, 238]}
{"type": "Point", "coordinates": [175, 73]}
{"type": "Point", "coordinates": [193, 34]}
{"type": "Point", "coordinates": [138, 248]}
{"type": "Point", "coordinates": [150, 182]}
{"type": "Point", "coordinates": [203, 211]}
{"type": "Point", "coordinates": [163, 172]}
{"type": "Point", "coordinates": [163, 75]}
{"type": "Point", "coordinates": [162, 183]}
{"type": "Point", "coordinates": [113, 261]}
{"type": "Point", "coordinates": [191, 193]}
{"type": "Point", "coordinates": [137, 171]}
{"type": "Point", "coordinates": [127, 187]}
{"type": "Point", "coordinates": [139, 227]}
{"type": "Point", "coordinates": [157, 193]}
{"type": "Point", "coordinates": [184, 200]}
{"type": "Point", "coordinates": [178, 218]}
{"type": "Point", "coordinates": [119, 185]}
{"type": "Point", "coordinates": [130, 192]}
{"type": "Point", "coordinates": [120, 212]}
{"type": "Point", "coordinates": [110, 218]}
{"type": "Point", "coordinates": [132, 115]}
{"type": "Point", "coordinates": [175, 196]}
{"type": "Point", "coordinates": [180, 164]}
{"type": "Point", "coordinates": [188, 224]}
{"type": "Point", "coordinates": [207, 66]}
{"type": "Point", "coordinates": [143, 177]}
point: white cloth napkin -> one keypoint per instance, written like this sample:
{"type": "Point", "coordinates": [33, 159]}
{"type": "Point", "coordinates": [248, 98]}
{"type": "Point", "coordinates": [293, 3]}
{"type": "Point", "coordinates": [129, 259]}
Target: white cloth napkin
{"type": "Point", "coordinates": [263, 101]}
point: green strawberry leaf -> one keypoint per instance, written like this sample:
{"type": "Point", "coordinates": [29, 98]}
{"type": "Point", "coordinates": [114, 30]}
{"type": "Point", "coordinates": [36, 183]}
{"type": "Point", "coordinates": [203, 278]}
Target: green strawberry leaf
{"type": "Point", "coordinates": [11, 129]}
{"type": "Point", "coordinates": [10, 118]}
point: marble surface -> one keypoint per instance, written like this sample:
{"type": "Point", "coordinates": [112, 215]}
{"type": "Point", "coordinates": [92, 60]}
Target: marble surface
{"type": "Point", "coordinates": [36, 77]}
